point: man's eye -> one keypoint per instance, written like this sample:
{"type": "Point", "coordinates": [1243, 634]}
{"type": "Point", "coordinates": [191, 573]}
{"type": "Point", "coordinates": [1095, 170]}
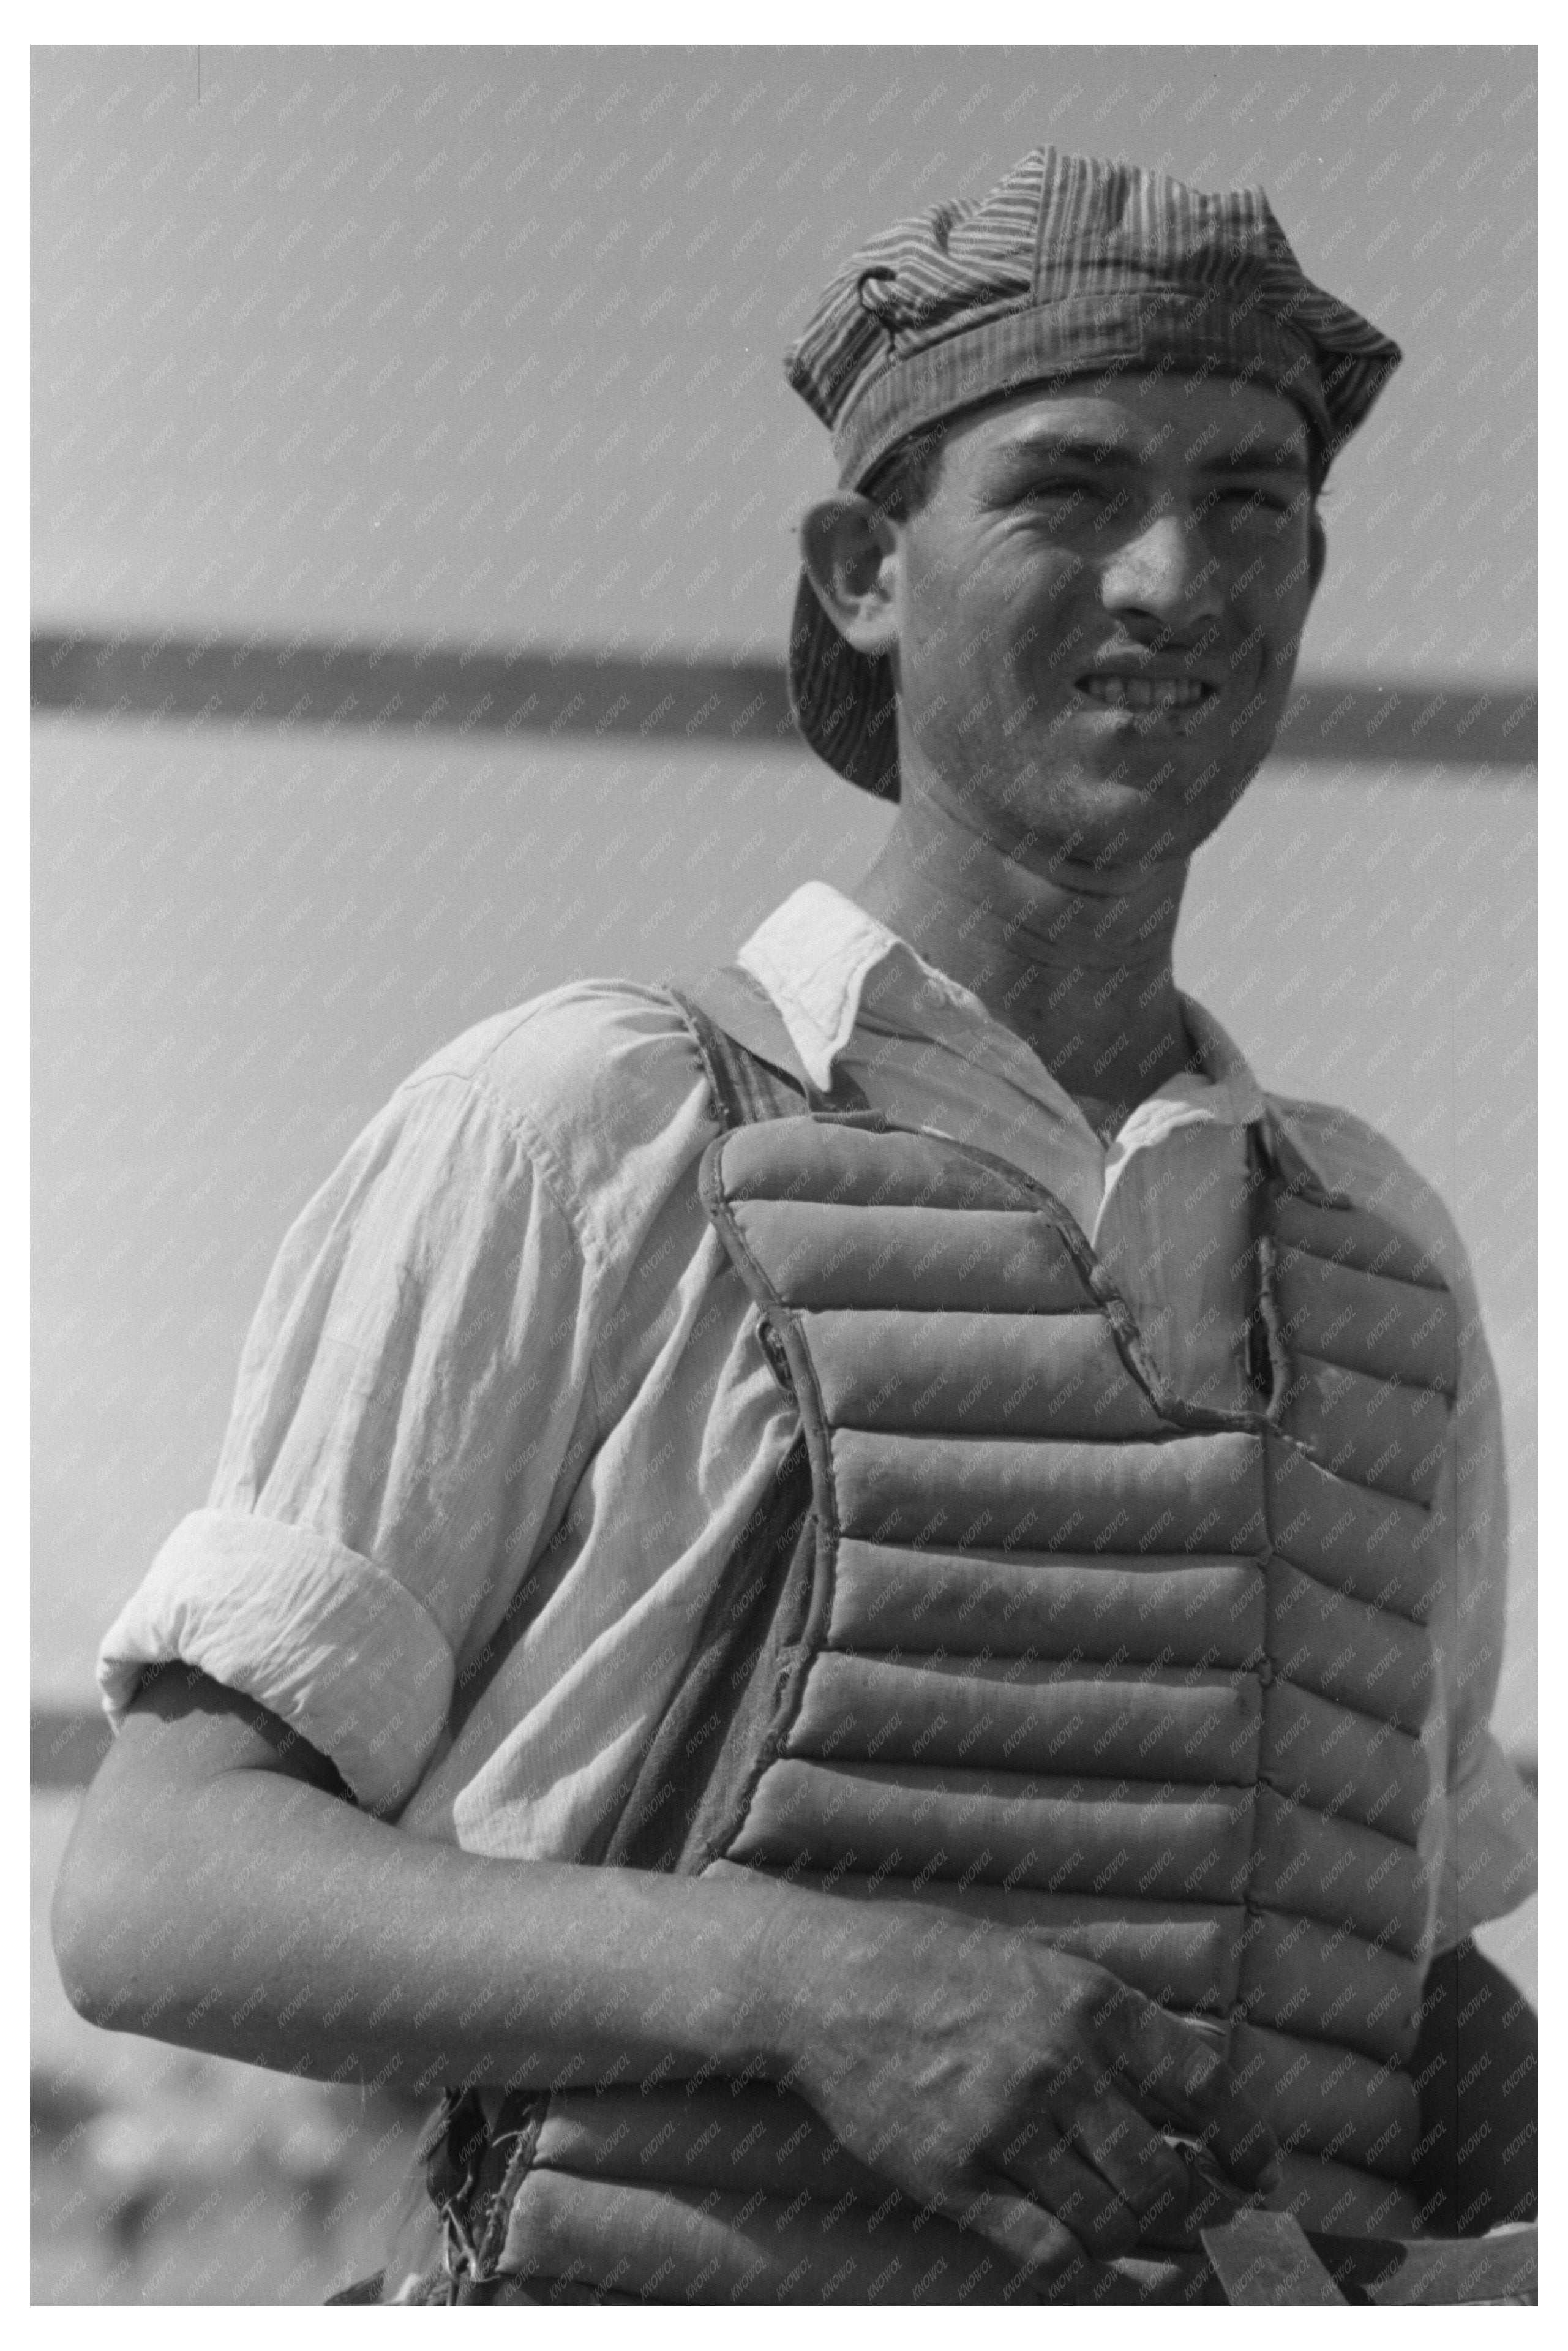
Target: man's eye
{"type": "Point", "coordinates": [1058, 495]}
{"type": "Point", "coordinates": [1273, 502]}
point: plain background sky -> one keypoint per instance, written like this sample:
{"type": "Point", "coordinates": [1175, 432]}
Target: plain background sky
{"type": "Point", "coordinates": [489, 342]}
{"type": "Point", "coordinates": [488, 346]}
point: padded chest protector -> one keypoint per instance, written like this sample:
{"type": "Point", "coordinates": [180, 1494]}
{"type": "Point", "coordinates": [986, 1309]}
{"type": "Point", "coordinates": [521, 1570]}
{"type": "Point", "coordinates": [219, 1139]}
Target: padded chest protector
{"type": "Point", "coordinates": [1055, 1648]}
{"type": "Point", "coordinates": [1149, 1678]}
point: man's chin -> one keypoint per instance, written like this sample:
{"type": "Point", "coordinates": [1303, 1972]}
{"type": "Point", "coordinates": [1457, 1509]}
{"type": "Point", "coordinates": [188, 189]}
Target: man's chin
{"type": "Point", "coordinates": [1139, 816]}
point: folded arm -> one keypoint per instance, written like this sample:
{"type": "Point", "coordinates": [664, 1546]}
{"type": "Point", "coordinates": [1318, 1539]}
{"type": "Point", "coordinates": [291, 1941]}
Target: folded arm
{"type": "Point", "coordinates": [220, 1892]}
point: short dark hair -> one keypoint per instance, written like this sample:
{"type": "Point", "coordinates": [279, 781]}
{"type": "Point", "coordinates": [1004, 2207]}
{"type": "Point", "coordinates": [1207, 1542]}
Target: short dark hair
{"type": "Point", "coordinates": [902, 482]}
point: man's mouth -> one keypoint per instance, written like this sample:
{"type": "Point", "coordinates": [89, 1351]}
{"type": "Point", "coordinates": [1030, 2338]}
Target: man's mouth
{"type": "Point", "coordinates": [1116, 692]}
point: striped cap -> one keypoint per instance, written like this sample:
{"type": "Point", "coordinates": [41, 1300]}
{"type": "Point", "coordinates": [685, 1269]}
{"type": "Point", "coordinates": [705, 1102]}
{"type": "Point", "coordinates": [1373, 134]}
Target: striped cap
{"type": "Point", "coordinates": [1069, 267]}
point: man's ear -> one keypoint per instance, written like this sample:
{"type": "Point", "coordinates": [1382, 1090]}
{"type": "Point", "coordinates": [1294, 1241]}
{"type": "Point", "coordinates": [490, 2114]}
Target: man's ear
{"type": "Point", "coordinates": [850, 549]}
{"type": "Point", "coordinates": [1317, 549]}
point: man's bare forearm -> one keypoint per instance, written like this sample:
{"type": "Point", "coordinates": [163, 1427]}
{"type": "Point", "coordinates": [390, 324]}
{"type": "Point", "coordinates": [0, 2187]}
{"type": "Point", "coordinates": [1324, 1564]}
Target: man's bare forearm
{"type": "Point", "coordinates": [219, 1893]}
{"type": "Point", "coordinates": [269, 1921]}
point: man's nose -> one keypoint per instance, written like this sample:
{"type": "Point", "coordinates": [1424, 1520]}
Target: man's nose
{"type": "Point", "coordinates": [1166, 569]}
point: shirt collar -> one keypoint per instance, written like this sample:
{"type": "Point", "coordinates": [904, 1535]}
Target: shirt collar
{"type": "Point", "coordinates": [816, 953]}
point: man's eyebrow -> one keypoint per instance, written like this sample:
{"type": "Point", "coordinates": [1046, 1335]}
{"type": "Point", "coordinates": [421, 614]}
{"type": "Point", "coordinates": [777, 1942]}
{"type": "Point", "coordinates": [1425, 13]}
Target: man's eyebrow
{"type": "Point", "coordinates": [1270, 457]}
{"type": "Point", "coordinates": [1045, 447]}
{"type": "Point", "coordinates": [1063, 449]}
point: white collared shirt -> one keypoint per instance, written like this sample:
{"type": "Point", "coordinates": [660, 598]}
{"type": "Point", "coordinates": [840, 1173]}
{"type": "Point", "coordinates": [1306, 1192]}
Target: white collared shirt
{"type": "Point", "coordinates": [503, 1359]}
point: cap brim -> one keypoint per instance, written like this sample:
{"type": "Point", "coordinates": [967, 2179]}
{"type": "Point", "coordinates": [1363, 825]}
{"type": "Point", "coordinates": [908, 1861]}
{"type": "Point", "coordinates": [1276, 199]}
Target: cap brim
{"type": "Point", "coordinates": [842, 701]}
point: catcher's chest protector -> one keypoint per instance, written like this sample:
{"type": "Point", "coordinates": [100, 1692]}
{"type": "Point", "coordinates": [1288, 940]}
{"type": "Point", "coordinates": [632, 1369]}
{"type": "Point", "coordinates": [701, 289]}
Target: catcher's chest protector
{"type": "Point", "coordinates": [1043, 1643]}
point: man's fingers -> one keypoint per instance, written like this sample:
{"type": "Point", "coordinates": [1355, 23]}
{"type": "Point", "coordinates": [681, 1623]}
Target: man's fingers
{"type": "Point", "coordinates": [1146, 2044]}
{"type": "Point", "coordinates": [1173, 2071]}
{"type": "Point", "coordinates": [1147, 2174]}
{"type": "Point", "coordinates": [1040, 2244]}
{"type": "Point", "coordinates": [1241, 2143]}
{"type": "Point", "coordinates": [1057, 2176]}
{"type": "Point", "coordinates": [1206, 2102]}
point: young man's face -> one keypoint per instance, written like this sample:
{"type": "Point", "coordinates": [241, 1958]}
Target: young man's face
{"type": "Point", "coordinates": [1098, 610]}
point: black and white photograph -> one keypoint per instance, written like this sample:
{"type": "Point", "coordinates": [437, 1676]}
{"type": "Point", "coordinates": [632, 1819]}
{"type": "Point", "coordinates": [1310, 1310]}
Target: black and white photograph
{"type": "Point", "coordinates": [783, 1173]}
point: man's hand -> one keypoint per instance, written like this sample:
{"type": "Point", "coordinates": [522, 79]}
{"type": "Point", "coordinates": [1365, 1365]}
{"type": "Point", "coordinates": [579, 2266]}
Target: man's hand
{"type": "Point", "coordinates": [1009, 2085]}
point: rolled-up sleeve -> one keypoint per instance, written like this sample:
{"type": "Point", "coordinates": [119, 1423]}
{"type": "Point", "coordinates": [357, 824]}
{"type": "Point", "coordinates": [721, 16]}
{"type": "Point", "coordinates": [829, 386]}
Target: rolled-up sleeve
{"type": "Point", "coordinates": [413, 1407]}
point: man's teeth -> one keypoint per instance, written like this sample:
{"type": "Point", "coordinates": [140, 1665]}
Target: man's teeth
{"type": "Point", "coordinates": [1143, 692]}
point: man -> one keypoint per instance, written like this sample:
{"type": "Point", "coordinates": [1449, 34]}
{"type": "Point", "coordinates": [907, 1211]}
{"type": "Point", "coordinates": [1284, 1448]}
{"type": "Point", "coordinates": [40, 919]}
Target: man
{"type": "Point", "coordinates": [916, 1562]}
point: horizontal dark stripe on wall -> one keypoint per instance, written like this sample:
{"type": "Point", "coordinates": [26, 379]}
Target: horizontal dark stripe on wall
{"type": "Point", "coordinates": [69, 1742]}
{"type": "Point", "coordinates": [305, 681]}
